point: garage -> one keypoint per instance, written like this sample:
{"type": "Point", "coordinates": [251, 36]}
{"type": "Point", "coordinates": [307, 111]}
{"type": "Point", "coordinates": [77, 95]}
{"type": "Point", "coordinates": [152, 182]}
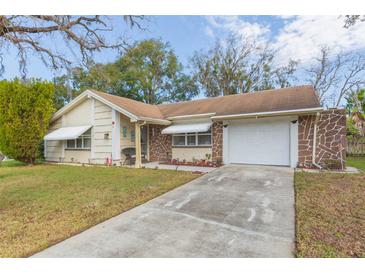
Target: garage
{"type": "Point", "coordinates": [264, 141]}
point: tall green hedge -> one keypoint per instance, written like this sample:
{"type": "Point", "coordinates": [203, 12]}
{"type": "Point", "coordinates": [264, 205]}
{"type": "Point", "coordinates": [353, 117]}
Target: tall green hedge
{"type": "Point", "coordinates": [25, 110]}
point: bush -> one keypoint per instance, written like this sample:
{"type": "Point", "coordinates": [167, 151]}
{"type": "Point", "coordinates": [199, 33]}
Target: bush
{"type": "Point", "coordinates": [25, 111]}
{"type": "Point", "coordinates": [351, 129]}
{"type": "Point", "coordinates": [332, 164]}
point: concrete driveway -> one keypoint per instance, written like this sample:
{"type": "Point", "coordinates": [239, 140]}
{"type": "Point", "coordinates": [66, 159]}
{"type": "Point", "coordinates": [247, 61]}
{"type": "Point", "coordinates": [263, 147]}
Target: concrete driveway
{"type": "Point", "coordinates": [234, 211]}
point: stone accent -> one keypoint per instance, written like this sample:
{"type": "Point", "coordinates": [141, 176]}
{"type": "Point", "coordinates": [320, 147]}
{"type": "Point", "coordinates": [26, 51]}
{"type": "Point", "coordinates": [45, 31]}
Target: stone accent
{"type": "Point", "coordinates": [217, 144]}
{"type": "Point", "coordinates": [331, 139]}
{"type": "Point", "coordinates": [160, 145]}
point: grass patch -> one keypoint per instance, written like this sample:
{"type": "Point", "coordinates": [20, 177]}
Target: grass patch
{"type": "Point", "coordinates": [356, 161]}
{"type": "Point", "coordinates": [45, 204]}
{"type": "Point", "coordinates": [11, 163]}
{"type": "Point", "coordinates": [330, 214]}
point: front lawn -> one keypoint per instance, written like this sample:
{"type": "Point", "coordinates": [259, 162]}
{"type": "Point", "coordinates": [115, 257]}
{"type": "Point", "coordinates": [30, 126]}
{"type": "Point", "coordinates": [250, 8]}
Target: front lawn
{"type": "Point", "coordinates": [45, 204]}
{"type": "Point", "coordinates": [356, 161]}
{"type": "Point", "coordinates": [330, 214]}
{"type": "Point", "coordinates": [11, 163]}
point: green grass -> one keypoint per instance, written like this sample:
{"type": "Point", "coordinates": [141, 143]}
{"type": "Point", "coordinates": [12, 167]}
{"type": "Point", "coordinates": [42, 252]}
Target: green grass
{"type": "Point", "coordinates": [330, 214]}
{"type": "Point", "coordinates": [45, 204]}
{"type": "Point", "coordinates": [358, 162]}
{"type": "Point", "coordinates": [11, 163]}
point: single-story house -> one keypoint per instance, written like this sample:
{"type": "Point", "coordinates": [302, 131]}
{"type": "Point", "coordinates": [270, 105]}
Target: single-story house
{"type": "Point", "coordinates": [285, 127]}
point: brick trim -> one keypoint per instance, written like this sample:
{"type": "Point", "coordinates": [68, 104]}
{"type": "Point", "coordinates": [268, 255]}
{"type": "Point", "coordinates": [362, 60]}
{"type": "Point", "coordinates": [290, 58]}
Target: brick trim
{"type": "Point", "coordinates": [331, 139]}
{"type": "Point", "coordinates": [160, 145]}
{"type": "Point", "coordinates": [217, 142]}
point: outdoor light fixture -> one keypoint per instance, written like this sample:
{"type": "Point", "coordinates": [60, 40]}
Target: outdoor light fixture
{"type": "Point", "coordinates": [106, 136]}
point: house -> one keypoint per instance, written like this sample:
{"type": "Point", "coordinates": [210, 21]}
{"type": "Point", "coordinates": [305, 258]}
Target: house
{"type": "Point", "coordinates": [285, 127]}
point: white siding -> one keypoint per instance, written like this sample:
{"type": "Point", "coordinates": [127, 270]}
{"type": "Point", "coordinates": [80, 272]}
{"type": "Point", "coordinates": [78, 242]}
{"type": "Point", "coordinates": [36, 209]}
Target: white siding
{"type": "Point", "coordinates": [77, 156]}
{"type": "Point", "coordinates": [102, 125]}
{"type": "Point", "coordinates": [79, 116]}
{"type": "Point", "coordinates": [190, 153]}
{"type": "Point", "coordinates": [86, 113]}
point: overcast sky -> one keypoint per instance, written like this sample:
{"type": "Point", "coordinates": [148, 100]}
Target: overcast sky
{"type": "Point", "coordinates": [294, 37]}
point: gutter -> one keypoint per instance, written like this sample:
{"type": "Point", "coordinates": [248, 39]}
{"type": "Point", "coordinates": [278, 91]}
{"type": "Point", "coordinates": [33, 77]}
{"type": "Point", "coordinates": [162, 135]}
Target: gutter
{"type": "Point", "coordinates": [202, 115]}
{"type": "Point", "coordinates": [315, 142]}
{"type": "Point", "coordinates": [152, 120]}
{"type": "Point", "coordinates": [268, 113]}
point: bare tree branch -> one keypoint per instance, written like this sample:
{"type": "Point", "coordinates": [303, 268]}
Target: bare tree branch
{"type": "Point", "coordinates": [336, 75]}
{"type": "Point", "coordinates": [239, 65]}
{"type": "Point", "coordinates": [26, 34]}
{"type": "Point", "coordinates": [351, 20]}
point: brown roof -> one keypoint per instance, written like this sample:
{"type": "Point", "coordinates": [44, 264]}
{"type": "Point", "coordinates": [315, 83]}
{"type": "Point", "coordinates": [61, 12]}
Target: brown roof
{"type": "Point", "coordinates": [262, 101]}
{"type": "Point", "coordinates": [137, 108]}
{"type": "Point", "coordinates": [292, 98]}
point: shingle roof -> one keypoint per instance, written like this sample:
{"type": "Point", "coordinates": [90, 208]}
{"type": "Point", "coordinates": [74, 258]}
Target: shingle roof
{"type": "Point", "coordinates": [292, 98]}
{"type": "Point", "coordinates": [137, 108]}
{"type": "Point", "coordinates": [261, 101]}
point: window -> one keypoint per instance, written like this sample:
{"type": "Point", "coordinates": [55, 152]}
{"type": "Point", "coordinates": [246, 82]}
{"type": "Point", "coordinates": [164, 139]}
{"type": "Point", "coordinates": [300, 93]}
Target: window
{"type": "Point", "coordinates": [70, 143]}
{"type": "Point", "coordinates": [192, 139]}
{"type": "Point", "coordinates": [204, 139]}
{"type": "Point", "coordinates": [178, 140]}
{"type": "Point", "coordinates": [83, 142]}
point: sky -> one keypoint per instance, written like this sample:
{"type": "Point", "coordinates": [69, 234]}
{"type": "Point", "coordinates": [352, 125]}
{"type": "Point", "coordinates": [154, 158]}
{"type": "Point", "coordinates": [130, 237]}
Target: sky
{"type": "Point", "coordinates": [294, 37]}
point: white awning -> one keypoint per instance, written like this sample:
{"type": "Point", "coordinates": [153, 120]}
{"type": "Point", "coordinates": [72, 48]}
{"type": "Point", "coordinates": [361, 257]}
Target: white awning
{"type": "Point", "coordinates": [187, 128]}
{"type": "Point", "coordinates": [66, 133]}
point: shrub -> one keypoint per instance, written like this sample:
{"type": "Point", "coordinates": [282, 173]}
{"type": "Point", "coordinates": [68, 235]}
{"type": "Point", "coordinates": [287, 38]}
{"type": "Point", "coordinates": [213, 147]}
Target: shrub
{"type": "Point", "coordinates": [332, 164]}
{"type": "Point", "coordinates": [25, 111]}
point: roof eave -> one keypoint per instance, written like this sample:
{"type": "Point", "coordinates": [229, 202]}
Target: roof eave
{"type": "Point", "coordinates": [268, 113]}
{"type": "Point", "coordinates": [191, 116]}
{"type": "Point", "coordinates": [89, 94]}
{"type": "Point", "coordinates": [152, 120]}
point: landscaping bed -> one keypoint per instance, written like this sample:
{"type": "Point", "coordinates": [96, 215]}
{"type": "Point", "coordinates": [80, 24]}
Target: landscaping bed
{"type": "Point", "coordinates": [330, 214]}
{"type": "Point", "coordinates": [202, 163]}
{"type": "Point", "coordinates": [45, 204]}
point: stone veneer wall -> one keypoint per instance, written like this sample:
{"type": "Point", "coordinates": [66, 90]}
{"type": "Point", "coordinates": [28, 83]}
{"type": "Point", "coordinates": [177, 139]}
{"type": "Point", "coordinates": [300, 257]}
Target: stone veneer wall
{"type": "Point", "coordinates": [217, 145]}
{"type": "Point", "coordinates": [331, 139]}
{"type": "Point", "coordinates": [160, 145]}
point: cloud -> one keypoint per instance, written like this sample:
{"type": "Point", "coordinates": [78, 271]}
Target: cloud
{"type": "Point", "coordinates": [298, 38]}
{"type": "Point", "coordinates": [302, 37]}
{"type": "Point", "coordinates": [209, 31]}
{"type": "Point", "coordinates": [237, 26]}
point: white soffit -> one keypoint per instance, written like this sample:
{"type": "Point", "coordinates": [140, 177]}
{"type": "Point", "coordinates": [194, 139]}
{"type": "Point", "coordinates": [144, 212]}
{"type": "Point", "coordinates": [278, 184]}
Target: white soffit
{"type": "Point", "coordinates": [187, 128]}
{"type": "Point", "coordinates": [66, 133]}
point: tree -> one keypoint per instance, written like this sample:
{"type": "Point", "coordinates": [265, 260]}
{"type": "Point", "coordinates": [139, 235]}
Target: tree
{"type": "Point", "coordinates": [63, 93]}
{"type": "Point", "coordinates": [25, 111]}
{"type": "Point", "coordinates": [82, 35]}
{"type": "Point", "coordinates": [238, 65]}
{"type": "Point", "coordinates": [103, 77]}
{"type": "Point", "coordinates": [149, 71]}
{"type": "Point", "coordinates": [356, 111]}
{"type": "Point", "coordinates": [351, 20]}
{"type": "Point", "coordinates": [336, 75]}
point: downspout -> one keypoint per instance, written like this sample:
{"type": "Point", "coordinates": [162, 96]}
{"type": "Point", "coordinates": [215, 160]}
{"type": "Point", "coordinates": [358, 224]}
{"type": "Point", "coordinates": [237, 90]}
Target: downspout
{"type": "Point", "coordinates": [315, 142]}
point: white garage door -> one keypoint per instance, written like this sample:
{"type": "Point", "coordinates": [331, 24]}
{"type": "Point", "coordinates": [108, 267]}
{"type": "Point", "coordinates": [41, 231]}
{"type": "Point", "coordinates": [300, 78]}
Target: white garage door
{"type": "Point", "coordinates": [265, 142]}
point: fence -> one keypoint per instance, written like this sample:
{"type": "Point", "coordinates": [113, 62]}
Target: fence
{"type": "Point", "coordinates": [356, 147]}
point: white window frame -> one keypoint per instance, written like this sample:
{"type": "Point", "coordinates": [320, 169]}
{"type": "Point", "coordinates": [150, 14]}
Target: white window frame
{"type": "Point", "coordinates": [82, 137]}
{"type": "Point", "coordinates": [196, 134]}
